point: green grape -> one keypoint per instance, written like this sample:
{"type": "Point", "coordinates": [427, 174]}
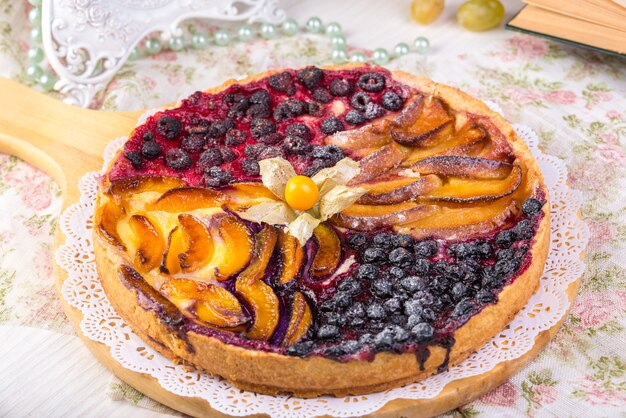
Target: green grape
{"type": "Point", "coordinates": [479, 15]}
{"type": "Point", "coordinates": [425, 11]}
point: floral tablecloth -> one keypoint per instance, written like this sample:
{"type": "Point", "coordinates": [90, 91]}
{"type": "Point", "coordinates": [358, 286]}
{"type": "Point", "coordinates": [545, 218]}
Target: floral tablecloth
{"type": "Point", "coordinates": [574, 99]}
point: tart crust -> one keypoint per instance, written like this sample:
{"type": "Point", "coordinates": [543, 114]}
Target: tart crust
{"type": "Point", "coordinates": [273, 373]}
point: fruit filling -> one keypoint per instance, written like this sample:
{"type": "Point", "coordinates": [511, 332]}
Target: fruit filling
{"type": "Point", "coordinates": [447, 220]}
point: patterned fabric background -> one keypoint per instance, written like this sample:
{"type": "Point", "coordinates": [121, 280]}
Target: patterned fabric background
{"type": "Point", "coordinates": [574, 99]}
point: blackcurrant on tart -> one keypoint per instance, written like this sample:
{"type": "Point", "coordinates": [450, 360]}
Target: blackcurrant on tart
{"type": "Point", "coordinates": [322, 231]}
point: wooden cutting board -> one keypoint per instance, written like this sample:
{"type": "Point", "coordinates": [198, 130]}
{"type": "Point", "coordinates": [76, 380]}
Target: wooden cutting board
{"type": "Point", "coordinates": [66, 142]}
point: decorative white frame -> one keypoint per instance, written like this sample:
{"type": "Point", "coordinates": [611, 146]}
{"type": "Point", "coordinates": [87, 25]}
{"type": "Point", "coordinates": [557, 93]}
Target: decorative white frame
{"type": "Point", "coordinates": [88, 41]}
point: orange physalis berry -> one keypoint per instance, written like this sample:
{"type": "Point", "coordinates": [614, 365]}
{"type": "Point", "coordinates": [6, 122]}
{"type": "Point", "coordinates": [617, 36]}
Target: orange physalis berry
{"type": "Point", "coordinates": [301, 193]}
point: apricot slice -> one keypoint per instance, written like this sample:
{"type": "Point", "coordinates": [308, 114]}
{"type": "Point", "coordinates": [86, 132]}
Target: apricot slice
{"type": "Point", "coordinates": [199, 243]}
{"type": "Point", "coordinates": [461, 190]}
{"type": "Point", "coordinates": [106, 220]}
{"type": "Point", "coordinates": [299, 322]}
{"type": "Point", "coordinates": [379, 162]}
{"type": "Point", "coordinates": [233, 248]}
{"type": "Point", "coordinates": [177, 244]}
{"type": "Point", "coordinates": [291, 255]}
{"type": "Point", "coordinates": [328, 253]}
{"type": "Point", "coordinates": [212, 303]}
{"type": "Point", "coordinates": [260, 297]}
{"type": "Point", "coordinates": [150, 243]}
{"type": "Point", "coordinates": [187, 199]}
{"type": "Point", "coordinates": [404, 193]}
{"type": "Point", "coordinates": [412, 111]}
{"type": "Point", "coordinates": [365, 137]}
{"type": "Point", "coordinates": [369, 217]}
{"type": "Point", "coordinates": [459, 166]}
{"type": "Point", "coordinates": [422, 139]}
{"type": "Point", "coordinates": [461, 223]}
{"type": "Point", "coordinates": [141, 184]}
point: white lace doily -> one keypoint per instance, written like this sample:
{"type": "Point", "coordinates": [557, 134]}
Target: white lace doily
{"type": "Point", "coordinates": [101, 323]}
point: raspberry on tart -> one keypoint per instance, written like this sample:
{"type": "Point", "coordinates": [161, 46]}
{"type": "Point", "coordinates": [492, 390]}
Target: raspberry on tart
{"type": "Point", "coordinates": [445, 245]}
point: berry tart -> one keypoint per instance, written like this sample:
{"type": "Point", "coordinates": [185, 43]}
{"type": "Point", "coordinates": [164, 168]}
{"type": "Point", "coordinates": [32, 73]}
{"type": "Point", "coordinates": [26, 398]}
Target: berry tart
{"type": "Point", "coordinates": [322, 231]}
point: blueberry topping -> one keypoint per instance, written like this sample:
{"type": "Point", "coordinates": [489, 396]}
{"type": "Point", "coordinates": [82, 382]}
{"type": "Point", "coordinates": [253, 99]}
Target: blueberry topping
{"type": "Point", "coordinates": [347, 347]}
{"type": "Point", "coordinates": [531, 207]}
{"type": "Point", "coordinates": [366, 339]}
{"type": "Point", "coordinates": [331, 125]}
{"type": "Point", "coordinates": [383, 240]}
{"type": "Point", "coordinates": [421, 266]}
{"type": "Point", "coordinates": [340, 87]}
{"type": "Point", "coordinates": [259, 110]}
{"type": "Point", "coordinates": [373, 82]}
{"type": "Point", "coordinates": [328, 332]}
{"type": "Point", "coordinates": [462, 309]}
{"type": "Point", "coordinates": [169, 127]}
{"type": "Point", "coordinates": [463, 250]}
{"type": "Point", "coordinates": [392, 101]}
{"type": "Point", "coordinates": [342, 299]}
{"type": "Point", "coordinates": [384, 340]}
{"type": "Point", "coordinates": [235, 137]}
{"type": "Point", "coordinates": [523, 230]}
{"type": "Point", "coordinates": [505, 267]}
{"type": "Point", "coordinates": [376, 311]}
{"type": "Point", "coordinates": [367, 272]}
{"type": "Point", "coordinates": [253, 150]}
{"type": "Point", "coordinates": [350, 286]}
{"type": "Point", "coordinates": [374, 255]}
{"type": "Point", "coordinates": [300, 349]}
{"type": "Point", "coordinates": [320, 94]}
{"type": "Point", "coordinates": [218, 128]}
{"type": "Point", "coordinates": [334, 318]}
{"type": "Point", "coordinates": [250, 167]}
{"type": "Point", "coordinates": [311, 77]}
{"type": "Point", "coordinates": [382, 287]}
{"type": "Point", "coordinates": [393, 305]}
{"type": "Point", "coordinates": [459, 291]}
{"type": "Point", "coordinates": [296, 145]}
{"type": "Point", "coordinates": [403, 240]}
{"type": "Point", "coordinates": [422, 332]}
{"type": "Point", "coordinates": [330, 153]}
{"type": "Point", "coordinates": [210, 158]}
{"type": "Point", "coordinates": [357, 241]}
{"type": "Point", "coordinates": [261, 97]}
{"type": "Point", "coordinates": [426, 248]}
{"type": "Point", "coordinates": [177, 159]}
{"type": "Point", "coordinates": [373, 111]}
{"type": "Point", "coordinates": [412, 283]}
{"type": "Point", "coordinates": [483, 249]}
{"type": "Point", "coordinates": [360, 100]}
{"type": "Point", "coordinates": [227, 154]}
{"type": "Point", "coordinates": [490, 279]}
{"type": "Point", "coordinates": [288, 109]}
{"type": "Point", "coordinates": [151, 150]}
{"type": "Point", "coordinates": [355, 311]}
{"type": "Point", "coordinates": [298, 129]}
{"type": "Point", "coordinates": [401, 257]}
{"type": "Point", "coordinates": [216, 177]}
{"type": "Point", "coordinates": [485, 296]}
{"type": "Point", "coordinates": [397, 273]}
{"type": "Point", "coordinates": [147, 136]}
{"type": "Point", "coordinates": [505, 239]}
{"type": "Point", "coordinates": [282, 82]}
{"type": "Point", "coordinates": [271, 139]}
{"type": "Point", "coordinates": [135, 159]}
{"type": "Point", "coordinates": [260, 127]}
{"type": "Point", "coordinates": [413, 307]}
{"type": "Point", "coordinates": [354, 117]}
{"type": "Point", "coordinates": [193, 143]}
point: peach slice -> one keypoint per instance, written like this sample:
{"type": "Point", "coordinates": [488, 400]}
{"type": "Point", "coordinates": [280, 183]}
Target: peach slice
{"type": "Point", "coordinates": [199, 243]}
{"type": "Point", "coordinates": [187, 199]}
{"type": "Point", "coordinates": [139, 184]}
{"type": "Point", "coordinates": [233, 248]}
{"type": "Point", "coordinates": [177, 244]}
{"type": "Point", "coordinates": [150, 243]}
{"type": "Point", "coordinates": [404, 193]}
{"type": "Point", "coordinates": [260, 297]}
{"type": "Point", "coordinates": [422, 139]}
{"type": "Point", "coordinates": [461, 190]}
{"type": "Point", "coordinates": [497, 146]}
{"type": "Point", "coordinates": [299, 322]}
{"type": "Point", "coordinates": [365, 137]}
{"type": "Point", "coordinates": [213, 304]}
{"type": "Point", "coordinates": [412, 111]}
{"type": "Point", "coordinates": [458, 166]}
{"type": "Point", "coordinates": [243, 195]}
{"type": "Point", "coordinates": [369, 217]}
{"type": "Point", "coordinates": [291, 255]}
{"type": "Point", "coordinates": [461, 223]}
{"type": "Point", "coordinates": [379, 162]}
{"type": "Point", "coordinates": [106, 220]}
{"type": "Point", "coordinates": [328, 253]}
{"type": "Point", "coordinates": [432, 123]}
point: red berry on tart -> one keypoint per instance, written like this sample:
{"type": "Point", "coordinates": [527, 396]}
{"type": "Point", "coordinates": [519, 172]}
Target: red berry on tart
{"type": "Point", "coordinates": [322, 231]}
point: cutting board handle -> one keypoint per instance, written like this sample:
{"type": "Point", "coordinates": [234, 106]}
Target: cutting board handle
{"type": "Point", "coordinates": [62, 140]}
